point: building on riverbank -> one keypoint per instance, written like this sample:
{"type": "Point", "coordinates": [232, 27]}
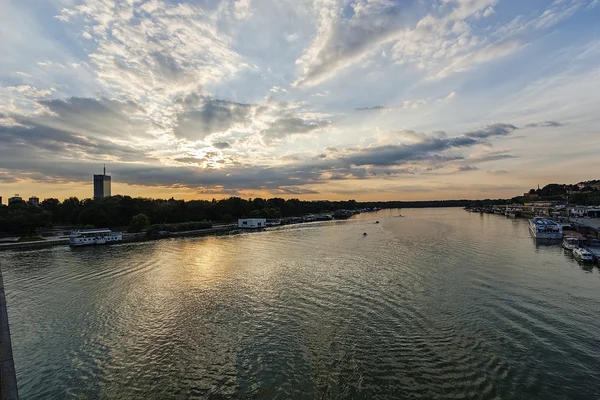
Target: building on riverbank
{"type": "Point", "coordinates": [252, 223]}
{"type": "Point", "coordinates": [102, 185]}
{"type": "Point", "coordinates": [16, 198]}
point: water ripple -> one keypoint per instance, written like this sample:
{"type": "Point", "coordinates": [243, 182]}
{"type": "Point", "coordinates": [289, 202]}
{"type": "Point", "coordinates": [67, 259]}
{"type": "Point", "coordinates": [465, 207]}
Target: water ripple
{"type": "Point", "coordinates": [443, 304]}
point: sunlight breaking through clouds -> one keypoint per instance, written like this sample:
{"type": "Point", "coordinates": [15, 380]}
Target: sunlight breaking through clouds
{"type": "Point", "coordinates": [307, 98]}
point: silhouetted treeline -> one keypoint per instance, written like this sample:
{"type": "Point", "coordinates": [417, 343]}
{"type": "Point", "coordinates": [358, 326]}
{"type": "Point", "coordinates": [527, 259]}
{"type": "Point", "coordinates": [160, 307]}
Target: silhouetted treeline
{"type": "Point", "coordinates": [117, 211]}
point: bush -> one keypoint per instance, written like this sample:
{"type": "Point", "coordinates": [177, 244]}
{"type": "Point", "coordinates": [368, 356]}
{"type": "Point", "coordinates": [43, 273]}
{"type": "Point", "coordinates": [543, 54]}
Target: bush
{"type": "Point", "coordinates": [139, 223]}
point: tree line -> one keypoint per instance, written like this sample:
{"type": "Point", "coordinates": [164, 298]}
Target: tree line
{"type": "Point", "coordinates": [118, 211]}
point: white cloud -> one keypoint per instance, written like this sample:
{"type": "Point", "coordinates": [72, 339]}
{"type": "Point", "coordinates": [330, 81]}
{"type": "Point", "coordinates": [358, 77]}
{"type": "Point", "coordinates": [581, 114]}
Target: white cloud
{"type": "Point", "coordinates": [201, 83]}
{"type": "Point", "coordinates": [291, 37]}
{"type": "Point", "coordinates": [450, 97]}
{"type": "Point", "coordinates": [485, 55]}
{"type": "Point", "coordinates": [243, 9]}
{"type": "Point", "coordinates": [488, 11]}
{"type": "Point", "coordinates": [22, 100]}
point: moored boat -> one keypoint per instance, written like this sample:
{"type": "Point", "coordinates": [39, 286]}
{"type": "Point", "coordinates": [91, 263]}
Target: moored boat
{"type": "Point", "coordinates": [543, 228]}
{"type": "Point", "coordinates": [87, 237]}
{"type": "Point", "coordinates": [583, 255]}
{"type": "Point", "coordinates": [570, 243]}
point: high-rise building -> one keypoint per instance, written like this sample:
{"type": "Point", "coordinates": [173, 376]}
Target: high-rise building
{"type": "Point", "coordinates": [0, 200]}
{"type": "Point", "coordinates": [34, 201]}
{"type": "Point", "coordinates": [14, 199]}
{"type": "Point", "coordinates": [102, 185]}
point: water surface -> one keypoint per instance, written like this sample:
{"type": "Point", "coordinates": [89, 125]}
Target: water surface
{"type": "Point", "coordinates": [440, 303]}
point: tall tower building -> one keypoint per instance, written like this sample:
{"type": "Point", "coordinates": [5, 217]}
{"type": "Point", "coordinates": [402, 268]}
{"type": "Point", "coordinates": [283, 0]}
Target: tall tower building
{"type": "Point", "coordinates": [102, 185]}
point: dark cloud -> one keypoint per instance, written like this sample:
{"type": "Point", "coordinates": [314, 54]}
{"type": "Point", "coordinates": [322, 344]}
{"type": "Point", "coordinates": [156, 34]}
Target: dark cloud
{"type": "Point", "coordinates": [96, 117]}
{"type": "Point", "coordinates": [546, 124]}
{"type": "Point", "coordinates": [494, 156]}
{"type": "Point", "coordinates": [374, 108]}
{"type": "Point", "coordinates": [33, 139]}
{"type": "Point", "coordinates": [395, 154]}
{"type": "Point", "coordinates": [291, 157]}
{"type": "Point", "coordinates": [189, 160]}
{"type": "Point", "coordinates": [6, 177]}
{"type": "Point", "coordinates": [467, 167]}
{"type": "Point", "coordinates": [236, 178]}
{"type": "Point", "coordinates": [291, 125]}
{"type": "Point", "coordinates": [37, 149]}
{"type": "Point", "coordinates": [487, 131]}
{"type": "Point", "coordinates": [221, 145]}
{"type": "Point", "coordinates": [294, 190]}
{"type": "Point", "coordinates": [210, 117]}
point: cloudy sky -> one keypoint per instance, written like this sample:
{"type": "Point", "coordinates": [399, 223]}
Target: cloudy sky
{"type": "Point", "coordinates": [316, 99]}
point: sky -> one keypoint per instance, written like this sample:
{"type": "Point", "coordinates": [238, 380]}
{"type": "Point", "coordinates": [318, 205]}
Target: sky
{"type": "Point", "coordinates": [309, 99]}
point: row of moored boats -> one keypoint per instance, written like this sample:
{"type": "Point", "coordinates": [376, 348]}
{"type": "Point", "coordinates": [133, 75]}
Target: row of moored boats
{"type": "Point", "coordinates": [546, 229]}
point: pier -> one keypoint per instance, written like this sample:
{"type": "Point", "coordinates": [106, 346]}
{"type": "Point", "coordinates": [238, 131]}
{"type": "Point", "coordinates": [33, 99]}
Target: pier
{"type": "Point", "coordinates": [8, 377]}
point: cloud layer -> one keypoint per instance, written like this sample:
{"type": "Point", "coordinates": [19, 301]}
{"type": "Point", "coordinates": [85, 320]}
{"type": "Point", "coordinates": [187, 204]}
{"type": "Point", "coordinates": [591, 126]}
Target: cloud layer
{"type": "Point", "coordinates": [314, 97]}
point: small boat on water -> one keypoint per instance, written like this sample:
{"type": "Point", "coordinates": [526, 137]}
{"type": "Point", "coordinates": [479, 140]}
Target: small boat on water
{"type": "Point", "coordinates": [570, 243]}
{"type": "Point", "coordinates": [88, 237]}
{"type": "Point", "coordinates": [583, 255]}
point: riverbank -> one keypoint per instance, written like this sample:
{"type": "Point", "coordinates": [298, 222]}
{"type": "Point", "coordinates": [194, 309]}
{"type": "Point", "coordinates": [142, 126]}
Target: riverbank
{"type": "Point", "coordinates": [44, 243]}
{"type": "Point", "coordinates": [144, 237]}
{"type": "Point", "coordinates": [127, 238]}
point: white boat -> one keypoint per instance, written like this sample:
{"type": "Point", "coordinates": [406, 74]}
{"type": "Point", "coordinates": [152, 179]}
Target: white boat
{"type": "Point", "coordinates": [570, 243]}
{"type": "Point", "coordinates": [86, 237]}
{"type": "Point", "coordinates": [543, 228]}
{"type": "Point", "coordinates": [583, 255]}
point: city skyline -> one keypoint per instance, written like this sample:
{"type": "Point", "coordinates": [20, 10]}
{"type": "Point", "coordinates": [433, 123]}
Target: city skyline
{"type": "Point", "coordinates": [325, 99]}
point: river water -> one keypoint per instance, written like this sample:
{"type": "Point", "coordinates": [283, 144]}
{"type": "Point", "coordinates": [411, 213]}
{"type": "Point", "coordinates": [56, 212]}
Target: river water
{"type": "Point", "coordinates": [439, 303]}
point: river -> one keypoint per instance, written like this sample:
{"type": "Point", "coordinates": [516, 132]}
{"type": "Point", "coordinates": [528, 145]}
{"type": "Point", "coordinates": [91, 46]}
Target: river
{"type": "Point", "coordinates": [436, 303]}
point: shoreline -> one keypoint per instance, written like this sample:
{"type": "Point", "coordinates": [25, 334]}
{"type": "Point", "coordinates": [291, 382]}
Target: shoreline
{"type": "Point", "coordinates": [142, 237]}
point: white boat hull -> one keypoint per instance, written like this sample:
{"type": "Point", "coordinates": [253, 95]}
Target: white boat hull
{"type": "Point", "coordinates": [92, 241]}
{"type": "Point", "coordinates": [583, 256]}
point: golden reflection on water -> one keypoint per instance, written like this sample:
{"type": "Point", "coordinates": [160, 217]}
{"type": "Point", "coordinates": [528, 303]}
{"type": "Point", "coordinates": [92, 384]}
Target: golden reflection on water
{"type": "Point", "coordinates": [442, 303]}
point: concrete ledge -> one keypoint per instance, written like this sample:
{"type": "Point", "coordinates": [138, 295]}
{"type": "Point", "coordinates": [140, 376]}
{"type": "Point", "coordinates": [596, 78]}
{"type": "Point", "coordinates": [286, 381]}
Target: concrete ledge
{"type": "Point", "coordinates": [8, 377]}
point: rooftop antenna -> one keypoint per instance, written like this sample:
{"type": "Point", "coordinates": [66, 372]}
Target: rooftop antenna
{"type": "Point", "coordinates": [104, 169]}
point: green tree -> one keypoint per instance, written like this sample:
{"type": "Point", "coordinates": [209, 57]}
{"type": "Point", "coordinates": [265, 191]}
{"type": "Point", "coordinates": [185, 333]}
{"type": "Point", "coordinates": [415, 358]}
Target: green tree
{"type": "Point", "coordinates": [139, 223]}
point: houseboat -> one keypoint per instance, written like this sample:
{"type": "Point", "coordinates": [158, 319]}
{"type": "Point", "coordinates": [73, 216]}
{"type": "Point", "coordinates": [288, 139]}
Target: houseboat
{"type": "Point", "coordinates": [543, 228]}
{"type": "Point", "coordinates": [86, 237]}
